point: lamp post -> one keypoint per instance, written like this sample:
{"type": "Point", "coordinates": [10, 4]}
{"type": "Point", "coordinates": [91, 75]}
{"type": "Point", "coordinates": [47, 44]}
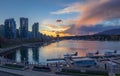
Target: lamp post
{"type": "Point", "coordinates": [110, 71]}
{"type": "Point", "coordinates": [58, 38]}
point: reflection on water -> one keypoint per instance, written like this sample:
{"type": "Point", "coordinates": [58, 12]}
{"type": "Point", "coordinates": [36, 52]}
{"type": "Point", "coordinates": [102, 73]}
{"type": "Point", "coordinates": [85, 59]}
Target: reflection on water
{"type": "Point", "coordinates": [58, 49]}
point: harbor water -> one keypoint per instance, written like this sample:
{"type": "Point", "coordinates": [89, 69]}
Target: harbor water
{"type": "Point", "coordinates": [39, 54]}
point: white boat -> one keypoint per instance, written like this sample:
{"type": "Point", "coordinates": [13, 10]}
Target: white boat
{"type": "Point", "coordinates": [90, 54]}
{"type": "Point", "coordinates": [109, 53]}
{"type": "Point", "coordinates": [70, 55]}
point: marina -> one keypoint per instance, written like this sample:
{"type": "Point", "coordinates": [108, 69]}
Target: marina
{"type": "Point", "coordinates": [69, 61]}
{"type": "Point", "coordinates": [83, 64]}
{"type": "Point", "coordinates": [57, 50]}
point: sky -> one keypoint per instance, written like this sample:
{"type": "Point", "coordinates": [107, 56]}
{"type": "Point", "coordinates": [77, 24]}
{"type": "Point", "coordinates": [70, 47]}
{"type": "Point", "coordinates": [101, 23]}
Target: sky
{"type": "Point", "coordinates": [77, 17]}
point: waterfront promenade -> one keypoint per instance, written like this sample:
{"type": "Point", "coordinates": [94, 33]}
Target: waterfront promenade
{"type": "Point", "coordinates": [3, 50]}
{"type": "Point", "coordinates": [8, 74]}
{"type": "Point", "coordinates": [10, 48]}
{"type": "Point", "coordinates": [28, 72]}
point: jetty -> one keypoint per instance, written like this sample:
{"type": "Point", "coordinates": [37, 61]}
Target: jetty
{"type": "Point", "coordinates": [96, 57]}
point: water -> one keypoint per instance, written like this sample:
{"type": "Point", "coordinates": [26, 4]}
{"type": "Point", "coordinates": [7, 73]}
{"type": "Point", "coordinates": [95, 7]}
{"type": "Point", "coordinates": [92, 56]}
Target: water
{"type": "Point", "coordinates": [58, 49]}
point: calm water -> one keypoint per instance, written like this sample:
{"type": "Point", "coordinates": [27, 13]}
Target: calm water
{"type": "Point", "coordinates": [58, 49]}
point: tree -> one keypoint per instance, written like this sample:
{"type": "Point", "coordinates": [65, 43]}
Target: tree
{"type": "Point", "coordinates": [2, 40]}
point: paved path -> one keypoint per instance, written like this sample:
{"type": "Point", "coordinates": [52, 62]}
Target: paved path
{"type": "Point", "coordinates": [28, 72]}
{"type": "Point", "coordinates": [3, 50]}
{"type": "Point", "coordinates": [7, 74]}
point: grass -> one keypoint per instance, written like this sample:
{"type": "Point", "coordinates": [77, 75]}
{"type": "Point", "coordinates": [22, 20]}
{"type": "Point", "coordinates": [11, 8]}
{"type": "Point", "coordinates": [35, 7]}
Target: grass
{"type": "Point", "coordinates": [117, 74]}
{"type": "Point", "coordinates": [8, 44]}
{"type": "Point", "coordinates": [42, 68]}
{"type": "Point", "coordinates": [75, 72]}
{"type": "Point", "coordinates": [13, 66]}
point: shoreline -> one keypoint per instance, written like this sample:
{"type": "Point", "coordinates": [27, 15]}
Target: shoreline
{"type": "Point", "coordinates": [4, 50]}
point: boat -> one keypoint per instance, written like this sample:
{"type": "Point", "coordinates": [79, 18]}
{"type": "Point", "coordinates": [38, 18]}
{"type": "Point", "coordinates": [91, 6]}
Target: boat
{"type": "Point", "coordinates": [109, 53]}
{"type": "Point", "coordinates": [70, 55]}
{"type": "Point", "coordinates": [91, 54]}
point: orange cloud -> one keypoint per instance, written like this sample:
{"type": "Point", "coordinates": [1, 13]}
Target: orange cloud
{"type": "Point", "coordinates": [52, 27]}
{"type": "Point", "coordinates": [54, 33]}
{"type": "Point", "coordinates": [57, 28]}
{"type": "Point", "coordinates": [91, 13]}
{"type": "Point", "coordinates": [94, 12]}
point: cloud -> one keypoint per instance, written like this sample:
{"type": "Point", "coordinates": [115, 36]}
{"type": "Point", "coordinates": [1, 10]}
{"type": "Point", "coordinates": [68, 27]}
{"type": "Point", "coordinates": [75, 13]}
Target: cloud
{"type": "Point", "coordinates": [78, 7]}
{"type": "Point", "coordinates": [91, 14]}
{"type": "Point", "coordinates": [99, 12]}
{"type": "Point", "coordinates": [57, 28]}
{"type": "Point", "coordinates": [88, 30]}
{"type": "Point", "coordinates": [52, 25]}
{"type": "Point", "coordinates": [69, 9]}
{"type": "Point", "coordinates": [54, 33]}
{"type": "Point", "coordinates": [93, 11]}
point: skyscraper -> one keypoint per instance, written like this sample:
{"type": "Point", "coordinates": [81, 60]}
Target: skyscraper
{"type": "Point", "coordinates": [23, 27]}
{"type": "Point", "coordinates": [35, 30]}
{"type": "Point", "coordinates": [2, 34]}
{"type": "Point", "coordinates": [17, 33]}
{"type": "Point", "coordinates": [10, 28]}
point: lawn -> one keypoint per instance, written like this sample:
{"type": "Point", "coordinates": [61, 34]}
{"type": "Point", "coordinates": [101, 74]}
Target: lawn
{"type": "Point", "coordinates": [78, 73]}
{"type": "Point", "coordinates": [13, 66]}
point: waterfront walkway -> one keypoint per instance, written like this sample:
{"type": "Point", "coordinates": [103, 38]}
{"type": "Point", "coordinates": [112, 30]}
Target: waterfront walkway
{"type": "Point", "coordinates": [10, 48]}
{"type": "Point", "coordinates": [28, 72]}
{"type": "Point", "coordinates": [3, 50]}
{"type": "Point", "coordinates": [7, 74]}
{"type": "Point", "coordinates": [25, 72]}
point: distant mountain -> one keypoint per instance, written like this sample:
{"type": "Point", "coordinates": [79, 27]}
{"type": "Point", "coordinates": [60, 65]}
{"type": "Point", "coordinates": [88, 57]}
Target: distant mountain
{"type": "Point", "coordinates": [110, 32]}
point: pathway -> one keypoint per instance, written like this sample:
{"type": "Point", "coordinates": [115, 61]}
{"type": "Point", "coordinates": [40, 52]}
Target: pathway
{"type": "Point", "coordinates": [28, 72]}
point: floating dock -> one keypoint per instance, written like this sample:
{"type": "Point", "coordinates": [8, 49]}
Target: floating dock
{"type": "Point", "coordinates": [96, 57]}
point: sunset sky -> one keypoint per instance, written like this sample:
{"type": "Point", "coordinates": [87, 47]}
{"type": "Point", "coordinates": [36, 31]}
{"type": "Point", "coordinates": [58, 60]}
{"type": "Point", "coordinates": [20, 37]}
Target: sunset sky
{"type": "Point", "coordinates": [78, 17]}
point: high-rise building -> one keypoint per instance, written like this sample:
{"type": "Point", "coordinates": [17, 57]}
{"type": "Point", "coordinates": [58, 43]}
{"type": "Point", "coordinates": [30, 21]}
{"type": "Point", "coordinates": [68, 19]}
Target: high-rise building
{"type": "Point", "coordinates": [30, 35]}
{"type": "Point", "coordinates": [2, 34]}
{"type": "Point", "coordinates": [10, 28]}
{"type": "Point", "coordinates": [35, 30]}
{"type": "Point", "coordinates": [23, 27]}
{"type": "Point", "coordinates": [17, 33]}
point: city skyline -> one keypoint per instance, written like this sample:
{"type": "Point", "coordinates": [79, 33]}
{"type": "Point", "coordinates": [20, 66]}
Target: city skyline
{"type": "Point", "coordinates": [8, 30]}
{"type": "Point", "coordinates": [78, 17]}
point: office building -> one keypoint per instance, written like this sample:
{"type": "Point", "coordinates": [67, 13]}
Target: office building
{"type": "Point", "coordinates": [23, 27]}
{"type": "Point", "coordinates": [2, 34]}
{"type": "Point", "coordinates": [35, 30]}
{"type": "Point", "coordinates": [10, 28]}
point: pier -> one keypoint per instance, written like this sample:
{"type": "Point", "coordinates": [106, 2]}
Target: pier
{"type": "Point", "coordinates": [96, 57]}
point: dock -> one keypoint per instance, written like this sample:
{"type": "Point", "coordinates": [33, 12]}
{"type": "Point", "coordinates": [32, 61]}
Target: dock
{"type": "Point", "coordinates": [96, 57]}
{"type": "Point", "coordinates": [55, 59]}
{"type": "Point", "coordinates": [116, 60]}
